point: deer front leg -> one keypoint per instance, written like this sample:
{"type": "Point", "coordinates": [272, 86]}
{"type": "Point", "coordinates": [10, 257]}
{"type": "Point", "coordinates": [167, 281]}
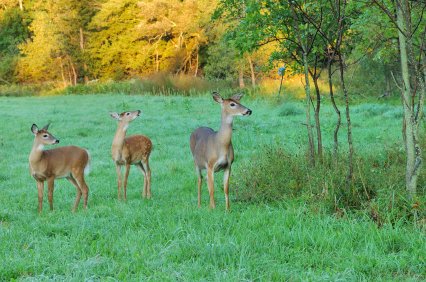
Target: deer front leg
{"type": "Point", "coordinates": [126, 175]}
{"type": "Point", "coordinates": [118, 170]}
{"type": "Point", "coordinates": [50, 187]}
{"type": "Point", "coordinates": [210, 184]}
{"type": "Point", "coordinates": [226, 175]}
{"type": "Point", "coordinates": [40, 188]}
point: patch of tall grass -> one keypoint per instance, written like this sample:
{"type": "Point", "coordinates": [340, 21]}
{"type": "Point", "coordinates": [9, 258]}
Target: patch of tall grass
{"type": "Point", "coordinates": [377, 189]}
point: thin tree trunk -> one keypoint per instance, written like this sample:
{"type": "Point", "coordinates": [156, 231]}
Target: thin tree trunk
{"type": "Point", "coordinates": [253, 76]}
{"type": "Point", "coordinates": [317, 117]}
{"type": "Point", "coordinates": [74, 73]}
{"type": "Point", "coordinates": [241, 77]}
{"type": "Point", "coordinates": [349, 176]}
{"type": "Point", "coordinates": [21, 5]}
{"type": "Point", "coordinates": [62, 72]}
{"type": "Point", "coordinates": [196, 64]}
{"type": "Point", "coordinates": [412, 147]}
{"type": "Point", "coordinates": [308, 110]}
{"type": "Point", "coordinates": [336, 109]}
{"type": "Point", "coordinates": [85, 78]}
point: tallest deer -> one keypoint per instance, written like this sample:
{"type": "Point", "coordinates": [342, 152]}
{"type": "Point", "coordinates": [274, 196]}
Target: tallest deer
{"type": "Point", "coordinates": [213, 150]}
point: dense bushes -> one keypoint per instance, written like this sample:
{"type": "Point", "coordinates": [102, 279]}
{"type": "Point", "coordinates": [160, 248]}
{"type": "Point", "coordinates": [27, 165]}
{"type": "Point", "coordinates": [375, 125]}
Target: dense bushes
{"type": "Point", "coordinates": [377, 189]}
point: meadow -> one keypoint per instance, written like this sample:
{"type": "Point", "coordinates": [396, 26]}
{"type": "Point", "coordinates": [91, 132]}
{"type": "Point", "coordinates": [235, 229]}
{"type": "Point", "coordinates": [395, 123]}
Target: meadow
{"type": "Point", "coordinates": [168, 238]}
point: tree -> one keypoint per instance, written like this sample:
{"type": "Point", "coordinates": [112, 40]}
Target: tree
{"type": "Point", "coordinates": [411, 28]}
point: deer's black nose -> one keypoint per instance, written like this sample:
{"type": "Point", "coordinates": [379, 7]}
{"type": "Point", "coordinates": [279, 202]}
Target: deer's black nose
{"type": "Point", "coordinates": [248, 112]}
{"type": "Point", "coordinates": [57, 141]}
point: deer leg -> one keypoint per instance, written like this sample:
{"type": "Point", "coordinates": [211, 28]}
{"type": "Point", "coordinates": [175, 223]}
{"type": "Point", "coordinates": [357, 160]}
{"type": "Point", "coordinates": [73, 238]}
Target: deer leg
{"type": "Point", "coordinates": [140, 166]}
{"type": "Point", "coordinates": [40, 188]}
{"type": "Point", "coordinates": [118, 170]}
{"type": "Point", "coordinates": [200, 182]}
{"type": "Point", "coordinates": [210, 184]}
{"type": "Point", "coordinates": [83, 187]}
{"type": "Point", "coordinates": [50, 187]}
{"type": "Point", "coordinates": [126, 175]}
{"type": "Point", "coordinates": [226, 175]}
{"type": "Point", "coordinates": [147, 179]}
{"type": "Point", "coordinates": [78, 196]}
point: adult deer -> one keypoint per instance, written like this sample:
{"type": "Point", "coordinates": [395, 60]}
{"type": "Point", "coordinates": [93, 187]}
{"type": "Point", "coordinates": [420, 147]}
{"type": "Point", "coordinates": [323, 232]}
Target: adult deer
{"type": "Point", "coordinates": [70, 162]}
{"type": "Point", "coordinates": [132, 150]}
{"type": "Point", "coordinates": [213, 150]}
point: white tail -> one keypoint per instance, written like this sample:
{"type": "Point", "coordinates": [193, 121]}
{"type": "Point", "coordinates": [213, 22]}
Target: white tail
{"type": "Point", "coordinates": [47, 165]}
{"type": "Point", "coordinates": [132, 150]}
{"type": "Point", "coordinates": [213, 150]}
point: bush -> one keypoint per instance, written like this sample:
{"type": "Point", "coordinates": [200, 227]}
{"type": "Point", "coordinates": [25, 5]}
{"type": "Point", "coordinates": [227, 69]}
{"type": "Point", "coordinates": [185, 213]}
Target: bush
{"type": "Point", "coordinates": [377, 190]}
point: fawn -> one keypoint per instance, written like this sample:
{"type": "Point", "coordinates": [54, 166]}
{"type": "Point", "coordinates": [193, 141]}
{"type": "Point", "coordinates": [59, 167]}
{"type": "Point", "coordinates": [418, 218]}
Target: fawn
{"type": "Point", "coordinates": [132, 150]}
{"type": "Point", "coordinates": [213, 150]}
{"type": "Point", "coordinates": [70, 162]}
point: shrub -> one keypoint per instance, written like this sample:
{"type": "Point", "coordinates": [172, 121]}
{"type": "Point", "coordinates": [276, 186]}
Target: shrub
{"type": "Point", "coordinates": [377, 190]}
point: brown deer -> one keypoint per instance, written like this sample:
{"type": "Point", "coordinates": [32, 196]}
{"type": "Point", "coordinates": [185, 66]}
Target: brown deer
{"type": "Point", "coordinates": [132, 150]}
{"type": "Point", "coordinates": [213, 150]}
{"type": "Point", "coordinates": [70, 162]}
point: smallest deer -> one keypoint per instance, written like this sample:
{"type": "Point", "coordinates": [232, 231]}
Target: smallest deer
{"type": "Point", "coordinates": [132, 150]}
{"type": "Point", "coordinates": [70, 162]}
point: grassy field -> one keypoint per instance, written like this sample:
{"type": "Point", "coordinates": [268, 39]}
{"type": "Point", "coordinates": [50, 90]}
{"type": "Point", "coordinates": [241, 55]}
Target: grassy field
{"type": "Point", "coordinates": [168, 237]}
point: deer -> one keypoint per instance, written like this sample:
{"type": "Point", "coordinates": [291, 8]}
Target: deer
{"type": "Point", "coordinates": [132, 150]}
{"type": "Point", "coordinates": [70, 162]}
{"type": "Point", "coordinates": [213, 151]}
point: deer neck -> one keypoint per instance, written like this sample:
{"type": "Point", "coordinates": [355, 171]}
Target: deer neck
{"type": "Point", "coordinates": [36, 152]}
{"type": "Point", "coordinates": [118, 141]}
{"type": "Point", "coordinates": [224, 134]}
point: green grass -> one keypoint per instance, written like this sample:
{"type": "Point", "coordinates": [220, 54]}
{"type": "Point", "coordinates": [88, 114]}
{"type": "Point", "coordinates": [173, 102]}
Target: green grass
{"type": "Point", "coordinates": [168, 237]}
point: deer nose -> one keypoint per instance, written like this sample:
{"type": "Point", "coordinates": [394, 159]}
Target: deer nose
{"type": "Point", "coordinates": [248, 112]}
{"type": "Point", "coordinates": [139, 112]}
{"type": "Point", "coordinates": [57, 141]}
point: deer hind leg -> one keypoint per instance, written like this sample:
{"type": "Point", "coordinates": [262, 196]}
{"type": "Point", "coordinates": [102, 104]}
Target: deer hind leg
{"type": "Point", "coordinates": [210, 184]}
{"type": "Point", "coordinates": [78, 196]}
{"type": "Point", "coordinates": [40, 188]}
{"type": "Point", "coordinates": [81, 182]}
{"type": "Point", "coordinates": [144, 190]}
{"type": "Point", "coordinates": [200, 182]}
{"type": "Point", "coordinates": [226, 175]}
{"type": "Point", "coordinates": [118, 170]}
{"type": "Point", "coordinates": [126, 176]}
{"type": "Point", "coordinates": [147, 179]}
{"type": "Point", "coordinates": [50, 187]}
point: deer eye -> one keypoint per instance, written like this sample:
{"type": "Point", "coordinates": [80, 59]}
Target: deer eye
{"type": "Point", "coordinates": [232, 105]}
{"type": "Point", "coordinates": [45, 135]}
{"type": "Point", "coordinates": [127, 113]}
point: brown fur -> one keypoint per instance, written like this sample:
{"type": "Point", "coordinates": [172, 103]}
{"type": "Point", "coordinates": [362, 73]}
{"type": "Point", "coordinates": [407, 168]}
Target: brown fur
{"type": "Point", "coordinates": [213, 151]}
{"type": "Point", "coordinates": [63, 162]}
{"type": "Point", "coordinates": [132, 150]}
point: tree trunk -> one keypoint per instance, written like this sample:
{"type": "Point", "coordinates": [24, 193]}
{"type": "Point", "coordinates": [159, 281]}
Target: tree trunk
{"type": "Point", "coordinates": [62, 72]}
{"type": "Point", "coordinates": [253, 76]}
{"type": "Point", "coordinates": [21, 5]}
{"type": "Point", "coordinates": [308, 110]}
{"type": "Point", "coordinates": [317, 117]}
{"type": "Point", "coordinates": [413, 151]}
{"type": "Point", "coordinates": [241, 77]}
{"type": "Point", "coordinates": [86, 78]}
{"type": "Point", "coordinates": [336, 109]}
{"type": "Point", "coordinates": [196, 64]}
{"type": "Point", "coordinates": [349, 176]}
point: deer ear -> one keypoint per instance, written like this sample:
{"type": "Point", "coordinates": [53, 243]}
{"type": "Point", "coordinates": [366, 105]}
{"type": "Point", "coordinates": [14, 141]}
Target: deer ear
{"type": "Point", "coordinates": [217, 97]}
{"type": "Point", "coordinates": [46, 127]}
{"type": "Point", "coordinates": [237, 97]}
{"type": "Point", "coordinates": [115, 116]}
{"type": "Point", "coordinates": [34, 129]}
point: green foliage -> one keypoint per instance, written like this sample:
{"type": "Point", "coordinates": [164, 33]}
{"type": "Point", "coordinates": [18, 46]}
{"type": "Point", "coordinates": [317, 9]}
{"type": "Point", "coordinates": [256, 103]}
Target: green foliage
{"type": "Point", "coordinates": [168, 237]}
{"type": "Point", "coordinates": [13, 31]}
